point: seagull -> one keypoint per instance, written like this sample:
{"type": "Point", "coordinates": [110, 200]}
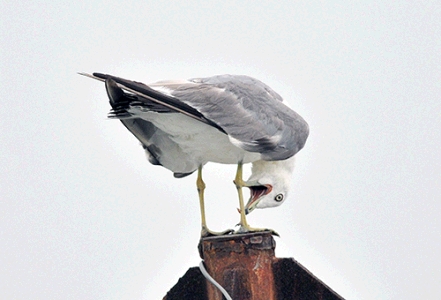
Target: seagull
{"type": "Point", "coordinates": [227, 119]}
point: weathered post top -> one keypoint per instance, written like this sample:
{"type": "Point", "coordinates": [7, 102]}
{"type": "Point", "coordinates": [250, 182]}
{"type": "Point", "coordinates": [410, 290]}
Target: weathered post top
{"type": "Point", "coordinates": [238, 243]}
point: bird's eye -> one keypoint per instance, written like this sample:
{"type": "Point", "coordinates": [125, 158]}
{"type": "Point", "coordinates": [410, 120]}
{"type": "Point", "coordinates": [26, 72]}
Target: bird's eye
{"type": "Point", "coordinates": [279, 197]}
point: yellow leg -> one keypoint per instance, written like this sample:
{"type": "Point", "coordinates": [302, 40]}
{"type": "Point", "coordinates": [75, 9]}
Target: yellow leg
{"type": "Point", "coordinates": [244, 227]}
{"type": "Point", "coordinates": [238, 181]}
{"type": "Point", "coordinates": [201, 187]}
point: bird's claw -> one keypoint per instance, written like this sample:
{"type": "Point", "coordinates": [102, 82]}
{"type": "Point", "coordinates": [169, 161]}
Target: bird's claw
{"type": "Point", "coordinates": [244, 229]}
{"type": "Point", "coordinates": [205, 232]}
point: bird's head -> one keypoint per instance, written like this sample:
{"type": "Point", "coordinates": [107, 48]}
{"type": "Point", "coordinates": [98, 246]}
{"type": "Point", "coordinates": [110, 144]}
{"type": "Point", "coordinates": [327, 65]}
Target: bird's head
{"type": "Point", "coordinates": [269, 183]}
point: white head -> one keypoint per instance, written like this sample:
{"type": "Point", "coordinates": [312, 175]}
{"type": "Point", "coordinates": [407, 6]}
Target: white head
{"type": "Point", "coordinates": [269, 183]}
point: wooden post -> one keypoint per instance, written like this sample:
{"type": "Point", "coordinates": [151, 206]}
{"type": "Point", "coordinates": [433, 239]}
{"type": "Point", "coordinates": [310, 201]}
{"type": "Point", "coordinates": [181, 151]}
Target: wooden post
{"type": "Point", "coordinates": [242, 264]}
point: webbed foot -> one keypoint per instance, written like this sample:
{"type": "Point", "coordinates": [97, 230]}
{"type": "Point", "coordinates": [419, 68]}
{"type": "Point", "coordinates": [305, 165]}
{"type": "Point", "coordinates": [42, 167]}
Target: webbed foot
{"type": "Point", "coordinates": [205, 232]}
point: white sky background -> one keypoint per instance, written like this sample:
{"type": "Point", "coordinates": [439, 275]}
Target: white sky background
{"type": "Point", "coordinates": [83, 215]}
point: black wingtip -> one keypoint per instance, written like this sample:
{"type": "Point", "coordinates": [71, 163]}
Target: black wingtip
{"type": "Point", "coordinates": [101, 75]}
{"type": "Point", "coordinates": [114, 92]}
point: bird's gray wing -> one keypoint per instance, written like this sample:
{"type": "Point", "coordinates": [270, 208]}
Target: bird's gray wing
{"type": "Point", "coordinates": [153, 99]}
{"type": "Point", "coordinates": [251, 113]}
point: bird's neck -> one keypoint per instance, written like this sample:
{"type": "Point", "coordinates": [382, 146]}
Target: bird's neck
{"type": "Point", "coordinates": [278, 166]}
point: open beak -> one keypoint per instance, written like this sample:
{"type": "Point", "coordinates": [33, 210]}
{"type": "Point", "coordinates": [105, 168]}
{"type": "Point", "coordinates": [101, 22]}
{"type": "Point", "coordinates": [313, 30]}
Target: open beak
{"type": "Point", "coordinates": [257, 192]}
